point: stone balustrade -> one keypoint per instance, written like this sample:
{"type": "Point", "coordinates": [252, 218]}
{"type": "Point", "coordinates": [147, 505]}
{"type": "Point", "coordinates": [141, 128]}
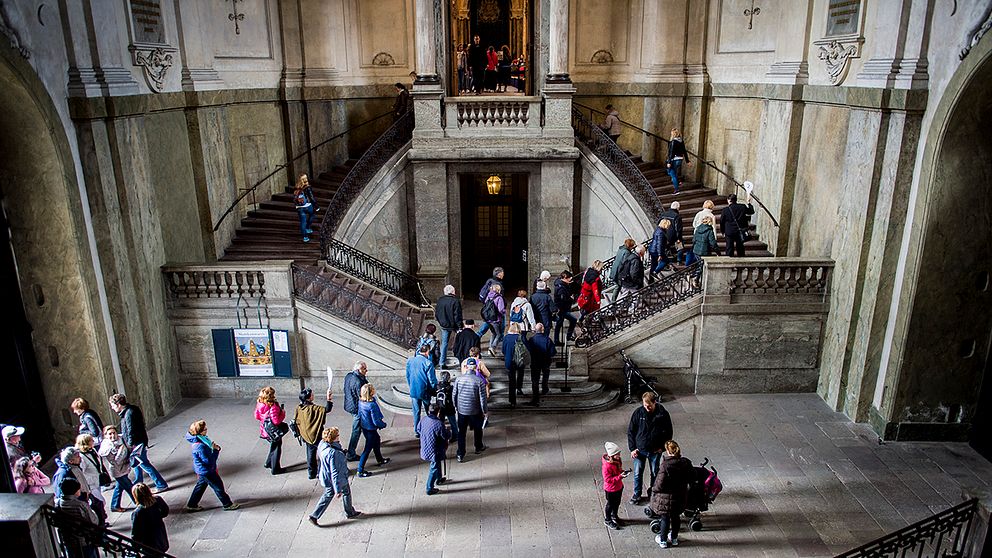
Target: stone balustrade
{"type": "Point", "coordinates": [767, 280]}
{"type": "Point", "coordinates": [469, 115]}
{"type": "Point", "coordinates": [214, 283]}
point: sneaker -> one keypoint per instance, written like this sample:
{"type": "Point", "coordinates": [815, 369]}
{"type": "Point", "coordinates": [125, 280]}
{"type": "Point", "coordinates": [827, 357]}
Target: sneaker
{"type": "Point", "coordinates": [492, 353]}
{"type": "Point", "coordinates": [232, 507]}
{"type": "Point", "coordinates": [461, 459]}
{"type": "Point", "coordinates": [674, 542]}
{"type": "Point", "coordinates": [192, 509]}
{"type": "Point", "coordinates": [433, 491]}
{"type": "Point", "coordinates": [313, 520]}
{"type": "Point", "coordinates": [354, 457]}
{"type": "Point", "coordinates": [159, 490]}
{"type": "Point", "coordinates": [309, 231]}
{"type": "Point", "coordinates": [661, 542]}
{"type": "Point", "coordinates": [118, 510]}
{"type": "Point", "coordinates": [306, 239]}
{"type": "Point", "coordinates": [384, 461]}
{"type": "Point", "coordinates": [363, 474]}
{"type": "Point", "coordinates": [482, 449]}
{"type": "Point", "coordinates": [607, 522]}
{"type": "Point", "coordinates": [354, 515]}
{"type": "Point", "coordinates": [634, 500]}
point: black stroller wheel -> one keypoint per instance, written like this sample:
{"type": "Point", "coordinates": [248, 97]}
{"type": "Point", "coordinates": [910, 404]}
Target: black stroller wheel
{"type": "Point", "coordinates": [656, 526]}
{"type": "Point", "coordinates": [696, 525]}
{"type": "Point", "coordinates": [688, 514]}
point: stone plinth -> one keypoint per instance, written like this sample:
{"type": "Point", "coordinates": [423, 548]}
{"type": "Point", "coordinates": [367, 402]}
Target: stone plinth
{"type": "Point", "coordinates": [22, 526]}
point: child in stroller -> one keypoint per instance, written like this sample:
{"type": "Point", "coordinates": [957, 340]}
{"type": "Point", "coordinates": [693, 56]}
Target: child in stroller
{"type": "Point", "coordinates": [704, 487]}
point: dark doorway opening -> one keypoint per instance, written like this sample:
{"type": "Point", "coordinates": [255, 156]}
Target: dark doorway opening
{"type": "Point", "coordinates": [497, 23]}
{"type": "Point", "coordinates": [494, 230]}
{"type": "Point", "coordinates": [981, 426]}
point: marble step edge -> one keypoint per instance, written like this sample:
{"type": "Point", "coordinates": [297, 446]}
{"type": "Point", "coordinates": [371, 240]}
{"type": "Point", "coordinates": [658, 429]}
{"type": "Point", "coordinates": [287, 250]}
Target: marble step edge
{"type": "Point", "coordinates": [583, 390]}
{"type": "Point", "coordinates": [606, 401]}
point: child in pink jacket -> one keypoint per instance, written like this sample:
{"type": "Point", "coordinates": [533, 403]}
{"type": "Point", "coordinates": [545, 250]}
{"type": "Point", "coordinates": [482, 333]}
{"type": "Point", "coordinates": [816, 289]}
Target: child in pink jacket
{"type": "Point", "coordinates": [613, 474]}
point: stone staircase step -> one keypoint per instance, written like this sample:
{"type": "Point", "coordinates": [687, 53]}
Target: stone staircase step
{"type": "Point", "coordinates": [554, 402]}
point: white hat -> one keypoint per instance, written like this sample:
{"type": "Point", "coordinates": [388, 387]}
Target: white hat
{"type": "Point", "coordinates": [9, 431]}
{"type": "Point", "coordinates": [612, 449]}
{"type": "Point", "coordinates": [675, 205]}
{"type": "Point", "coordinates": [545, 275]}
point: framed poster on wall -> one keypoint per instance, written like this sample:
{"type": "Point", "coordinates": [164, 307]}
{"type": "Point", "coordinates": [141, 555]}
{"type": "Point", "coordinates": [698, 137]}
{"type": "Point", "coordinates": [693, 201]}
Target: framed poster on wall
{"type": "Point", "coordinates": [252, 353]}
{"type": "Point", "coordinates": [253, 350]}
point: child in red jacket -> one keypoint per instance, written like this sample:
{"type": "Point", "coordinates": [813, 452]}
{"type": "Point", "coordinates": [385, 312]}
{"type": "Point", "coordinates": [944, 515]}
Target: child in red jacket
{"type": "Point", "coordinates": [613, 474]}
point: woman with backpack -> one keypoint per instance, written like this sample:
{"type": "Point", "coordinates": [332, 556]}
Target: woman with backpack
{"type": "Point", "coordinates": [515, 357]}
{"type": "Point", "coordinates": [372, 421]}
{"type": "Point", "coordinates": [668, 495]}
{"type": "Point", "coordinates": [269, 411]}
{"type": "Point", "coordinates": [590, 294]}
{"type": "Point", "coordinates": [522, 313]}
{"type": "Point", "coordinates": [493, 310]}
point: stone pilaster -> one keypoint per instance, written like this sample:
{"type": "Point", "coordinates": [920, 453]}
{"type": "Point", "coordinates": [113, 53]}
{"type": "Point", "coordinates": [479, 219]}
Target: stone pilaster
{"type": "Point", "coordinates": [425, 42]}
{"type": "Point", "coordinates": [553, 249]}
{"type": "Point", "coordinates": [558, 43]}
{"type": "Point", "coordinates": [430, 197]}
{"type": "Point", "coordinates": [198, 73]}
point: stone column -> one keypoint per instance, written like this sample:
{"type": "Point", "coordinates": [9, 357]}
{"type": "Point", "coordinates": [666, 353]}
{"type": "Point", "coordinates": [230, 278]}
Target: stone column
{"type": "Point", "coordinates": [426, 53]}
{"type": "Point", "coordinates": [552, 249]}
{"type": "Point", "coordinates": [427, 92]}
{"type": "Point", "coordinates": [430, 198]}
{"type": "Point", "coordinates": [558, 43]}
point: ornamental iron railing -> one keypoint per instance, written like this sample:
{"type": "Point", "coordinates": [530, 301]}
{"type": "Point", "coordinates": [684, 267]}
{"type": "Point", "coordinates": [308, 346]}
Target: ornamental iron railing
{"type": "Point", "coordinates": [626, 311]}
{"type": "Point", "coordinates": [373, 312]}
{"type": "Point", "coordinates": [72, 537]}
{"type": "Point", "coordinates": [376, 272]}
{"type": "Point", "coordinates": [619, 162]}
{"type": "Point", "coordinates": [943, 535]}
{"type": "Point", "coordinates": [398, 135]}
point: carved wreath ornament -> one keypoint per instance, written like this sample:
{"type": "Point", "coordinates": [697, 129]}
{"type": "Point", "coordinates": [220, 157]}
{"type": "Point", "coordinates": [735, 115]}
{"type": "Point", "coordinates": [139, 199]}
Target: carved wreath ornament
{"type": "Point", "coordinates": [156, 62]}
{"type": "Point", "coordinates": [837, 57]}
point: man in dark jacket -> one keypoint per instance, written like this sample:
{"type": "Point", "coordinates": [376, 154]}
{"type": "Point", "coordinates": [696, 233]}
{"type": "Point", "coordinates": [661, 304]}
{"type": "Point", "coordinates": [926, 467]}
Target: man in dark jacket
{"type": "Point", "coordinates": [734, 221]}
{"type": "Point", "coordinates": [650, 427]}
{"type": "Point", "coordinates": [353, 383]}
{"type": "Point", "coordinates": [543, 304]}
{"type": "Point", "coordinates": [449, 316]}
{"type": "Point", "coordinates": [564, 299]}
{"type": "Point", "coordinates": [402, 103]}
{"type": "Point", "coordinates": [542, 351]}
{"type": "Point", "coordinates": [434, 439]}
{"type": "Point", "coordinates": [465, 340]}
{"type": "Point", "coordinates": [136, 437]}
{"type": "Point", "coordinates": [673, 215]}
{"type": "Point", "coordinates": [477, 62]}
{"type": "Point", "coordinates": [631, 277]}
{"type": "Point", "coordinates": [496, 279]}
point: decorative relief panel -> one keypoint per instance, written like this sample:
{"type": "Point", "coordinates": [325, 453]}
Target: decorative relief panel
{"type": "Point", "coordinates": [240, 28]}
{"type": "Point", "coordinates": [383, 40]}
{"type": "Point", "coordinates": [842, 38]}
{"type": "Point", "coordinates": [746, 26]}
{"type": "Point", "coordinates": [149, 50]}
{"type": "Point", "coordinates": [601, 31]}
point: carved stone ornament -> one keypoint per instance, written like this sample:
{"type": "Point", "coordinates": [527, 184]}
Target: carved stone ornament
{"type": "Point", "coordinates": [837, 57]}
{"type": "Point", "coordinates": [383, 59]}
{"type": "Point", "coordinates": [11, 34]}
{"type": "Point", "coordinates": [155, 62]}
{"type": "Point", "coordinates": [602, 57]}
{"type": "Point", "coordinates": [980, 27]}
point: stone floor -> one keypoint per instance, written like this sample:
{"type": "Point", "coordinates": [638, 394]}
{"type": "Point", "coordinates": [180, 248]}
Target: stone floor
{"type": "Point", "coordinates": [799, 480]}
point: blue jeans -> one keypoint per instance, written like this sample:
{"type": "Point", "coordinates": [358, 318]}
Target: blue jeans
{"type": "Point", "coordinates": [306, 215]}
{"type": "Point", "coordinates": [212, 480]}
{"type": "Point", "coordinates": [372, 444]}
{"type": "Point", "coordinates": [497, 338]}
{"type": "Point", "coordinates": [653, 460]}
{"type": "Point", "coordinates": [453, 425]}
{"type": "Point", "coordinates": [124, 485]}
{"type": "Point", "coordinates": [325, 500]}
{"type": "Point", "coordinates": [445, 335]}
{"type": "Point", "coordinates": [356, 433]}
{"type": "Point", "coordinates": [675, 172]}
{"type": "Point", "coordinates": [418, 405]}
{"type": "Point", "coordinates": [433, 474]}
{"type": "Point", "coordinates": [461, 80]}
{"type": "Point", "coordinates": [139, 460]}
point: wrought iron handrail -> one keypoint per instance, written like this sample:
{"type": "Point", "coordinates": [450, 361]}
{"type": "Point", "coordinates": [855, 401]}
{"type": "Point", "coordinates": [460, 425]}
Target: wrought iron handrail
{"type": "Point", "coordinates": [358, 177]}
{"type": "Point", "coordinates": [376, 272]}
{"type": "Point", "coordinates": [641, 304]}
{"type": "Point", "coordinates": [608, 266]}
{"type": "Point", "coordinates": [951, 526]}
{"type": "Point", "coordinates": [610, 153]}
{"type": "Point", "coordinates": [374, 316]}
{"type": "Point", "coordinates": [70, 536]}
{"type": "Point", "coordinates": [710, 164]}
{"type": "Point", "coordinates": [253, 187]}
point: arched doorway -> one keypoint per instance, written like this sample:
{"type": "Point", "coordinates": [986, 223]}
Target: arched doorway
{"type": "Point", "coordinates": [497, 23]}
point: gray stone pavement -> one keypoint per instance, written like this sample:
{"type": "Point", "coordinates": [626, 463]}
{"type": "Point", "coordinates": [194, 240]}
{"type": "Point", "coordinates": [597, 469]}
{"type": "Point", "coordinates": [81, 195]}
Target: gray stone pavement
{"type": "Point", "coordinates": [799, 480]}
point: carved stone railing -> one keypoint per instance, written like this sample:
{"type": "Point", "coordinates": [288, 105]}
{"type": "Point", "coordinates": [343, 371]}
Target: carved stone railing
{"type": "Point", "coordinates": [941, 535]}
{"type": "Point", "coordinates": [784, 278]}
{"type": "Point", "coordinates": [593, 137]}
{"type": "Point", "coordinates": [202, 282]}
{"type": "Point", "coordinates": [376, 272]}
{"type": "Point", "coordinates": [511, 115]}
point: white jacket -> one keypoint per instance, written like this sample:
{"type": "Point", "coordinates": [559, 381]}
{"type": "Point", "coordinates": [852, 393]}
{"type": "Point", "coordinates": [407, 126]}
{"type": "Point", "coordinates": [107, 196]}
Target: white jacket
{"type": "Point", "coordinates": [528, 313]}
{"type": "Point", "coordinates": [698, 219]}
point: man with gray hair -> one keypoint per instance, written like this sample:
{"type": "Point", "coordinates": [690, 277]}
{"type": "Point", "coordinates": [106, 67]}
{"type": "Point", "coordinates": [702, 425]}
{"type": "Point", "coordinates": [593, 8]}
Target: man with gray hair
{"type": "Point", "coordinates": [449, 316]}
{"type": "Point", "coordinates": [543, 304]}
{"type": "Point", "coordinates": [353, 383]}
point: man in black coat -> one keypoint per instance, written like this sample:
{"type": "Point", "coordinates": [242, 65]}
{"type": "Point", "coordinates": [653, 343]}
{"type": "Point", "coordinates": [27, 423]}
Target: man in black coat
{"type": "Point", "coordinates": [543, 304]}
{"type": "Point", "coordinates": [734, 222]}
{"type": "Point", "coordinates": [631, 275]}
{"type": "Point", "coordinates": [449, 316]}
{"type": "Point", "coordinates": [542, 351]}
{"type": "Point", "coordinates": [673, 215]}
{"type": "Point", "coordinates": [477, 62]}
{"type": "Point", "coordinates": [135, 435]}
{"type": "Point", "coordinates": [565, 291]}
{"type": "Point", "coordinates": [353, 383]}
{"type": "Point", "coordinates": [465, 340]}
{"type": "Point", "coordinates": [650, 427]}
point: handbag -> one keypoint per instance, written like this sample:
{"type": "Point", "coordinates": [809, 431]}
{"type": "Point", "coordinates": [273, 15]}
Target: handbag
{"type": "Point", "coordinates": [104, 477]}
{"type": "Point", "coordinates": [273, 431]}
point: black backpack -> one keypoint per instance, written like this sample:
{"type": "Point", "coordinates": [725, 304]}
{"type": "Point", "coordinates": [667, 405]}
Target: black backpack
{"type": "Point", "coordinates": [489, 311]}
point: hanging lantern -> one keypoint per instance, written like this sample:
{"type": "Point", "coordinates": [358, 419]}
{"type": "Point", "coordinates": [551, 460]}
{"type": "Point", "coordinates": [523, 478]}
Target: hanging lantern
{"type": "Point", "coordinates": [494, 184]}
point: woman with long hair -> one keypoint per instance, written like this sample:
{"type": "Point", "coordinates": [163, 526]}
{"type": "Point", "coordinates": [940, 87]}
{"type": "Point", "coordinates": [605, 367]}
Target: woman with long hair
{"type": "Point", "coordinates": [303, 199]}
{"type": "Point", "coordinates": [590, 295]}
{"type": "Point", "coordinates": [372, 421]}
{"type": "Point", "coordinates": [492, 60]}
{"type": "Point", "coordinates": [503, 68]}
{"type": "Point", "coordinates": [269, 409]}
{"type": "Point", "coordinates": [28, 478]}
{"type": "Point", "coordinates": [668, 495]}
{"type": "Point", "coordinates": [148, 519]}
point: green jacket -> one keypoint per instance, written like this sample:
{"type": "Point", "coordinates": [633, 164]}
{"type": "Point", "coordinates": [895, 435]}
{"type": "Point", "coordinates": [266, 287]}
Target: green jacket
{"type": "Point", "coordinates": [704, 241]}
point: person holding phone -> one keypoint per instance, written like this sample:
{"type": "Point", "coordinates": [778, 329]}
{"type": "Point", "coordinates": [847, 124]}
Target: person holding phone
{"type": "Point", "coordinates": [613, 475]}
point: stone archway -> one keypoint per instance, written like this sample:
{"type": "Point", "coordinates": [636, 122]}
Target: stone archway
{"type": "Point", "coordinates": [53, 274]}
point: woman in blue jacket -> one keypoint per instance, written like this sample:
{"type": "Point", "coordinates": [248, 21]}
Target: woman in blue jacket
{"type": "Point", "coordinates": [205, 453]}
{"type": "Point", "coordinates": [372, 421]}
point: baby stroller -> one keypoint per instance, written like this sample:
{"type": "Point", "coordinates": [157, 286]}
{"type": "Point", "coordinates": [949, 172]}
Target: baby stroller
{"type": "Point", "coordinates": [704, 487]}
{"type": "Point", "coordinates": [633, 375]}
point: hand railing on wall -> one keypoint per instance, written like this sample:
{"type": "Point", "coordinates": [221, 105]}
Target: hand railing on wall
{"type": "Point", "coordinates": [376, 272]}
{"type": "Point", "coordinates": [641, 304]}
{"type": "Point", "coordinates": [943, 535]}
{"type": "Point", "coordinates": [376, 316]}
{"type": "Point", "coordinates": [73, 537]}
{"type": "Point", "coordinates": [704, 162]}
{"type": "Point", "coordinates": [251, 189]}
{"type": "Point", "coordinates": [359, 176]}
{"type": "Point", "coordinates": [610, 153]}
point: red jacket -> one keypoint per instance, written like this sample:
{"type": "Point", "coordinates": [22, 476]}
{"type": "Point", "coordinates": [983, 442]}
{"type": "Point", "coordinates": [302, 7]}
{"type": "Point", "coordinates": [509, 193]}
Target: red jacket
{"type": "Point", "coordinates": [612, 475]}
{"type": "Point", "coordinates": [589, 296]}
{"type": "Point", "coordinates": [491, 60]}
{"type": "Point", "coordinates": [274, 412]}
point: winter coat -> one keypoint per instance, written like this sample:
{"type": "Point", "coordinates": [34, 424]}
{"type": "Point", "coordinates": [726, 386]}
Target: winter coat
{"type": "Point", "coordinates": [698, 219]}
{"type": "Point", "coordinates": [618, 260]}
{"type": "Point", "coordinates": [632, 274]}
{"type": "Point", "coordinates": [544, 307]}
{"type": "Point", "coordinates": [133, 430]}
{"type": "Point", "coordinates": [704, 241]}
{"type": "Point", "coordinates": [648, 432]}
{"type": "Point", "coordinates": [671, 486]}
{"type": "Point", "coordinates": [676, 149]}
{"type": "Point", "coordinates": [66, 471]}
{"type": "Point", "coordinates": [274, 412]}
{"type": "Point", "coordinates": [464, 341]}
{"type": "Point", "coordinates": [611, 125]}
{"type": "Point", "coordinates": [310, 420]}
{"type": "Point", "coordinates": [333, 466]}
{"type": "Point", "coordinates": [433, 438]}
{"type": "Point", "coordinates": [402, 103]}
{"type": "Point", "coordinates": [564, 295]}
{"type": "Point", "coordinates": [204, 457]}
{"type": "Point", "coordinates": [735, 218]}
{"type": "Point", "coordinates": [449, 312]}
{"type": "Point", "coordinates": [117, 455]}
{"type": "Point", "coordinates": [90, 423]}
{"type": "Point", "coordinates": [91, 464]}
{"type": "Point", "coordinates": [148, 527]}
{"type": "Point", "coordinates": [353, 383]}
{"type": "Point", "coordinates": [421, 376]}
{"type": "Point", "coordinates": [522, 305]}
{"type": "Point", "coordinates": [449, 402]}
{"type": "Point", "coordinates": [477, 56]}
{"type": "Point", "coordinates": [591, 293]}
{"type": "Point", "coordinates": [657, 245]}
{"type": "Point", "coordinates": [675, 231]}
{"type": "Point", "coordinates": [509, 340]}
{"type": "Point", "coordinates": [492, 59]}
{"type": "Point", "coordinates": [78, 509]}
{"type": "Point", "coordinates": [33, 483]}
{"type": "Point", "coordinates": [498, 301]}
{"type": "Point", "coordinates": [469, 394]}
{"type": "Point", "coordinates": [370, 415]}
{"type": "Point", "coordinates": [542, 350]}
{"type": "Point", "coordinates": [612, 475]}
{"type": "Point", "coordinates": [484, 292]}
